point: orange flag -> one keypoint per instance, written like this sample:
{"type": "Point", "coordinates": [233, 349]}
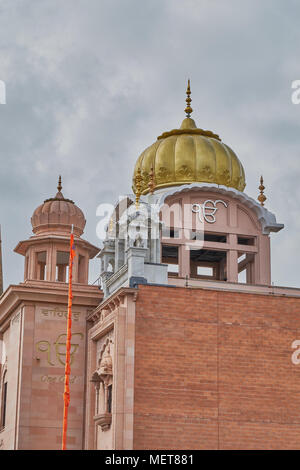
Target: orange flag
{"type": "Point", "coordinates": [68, 346]}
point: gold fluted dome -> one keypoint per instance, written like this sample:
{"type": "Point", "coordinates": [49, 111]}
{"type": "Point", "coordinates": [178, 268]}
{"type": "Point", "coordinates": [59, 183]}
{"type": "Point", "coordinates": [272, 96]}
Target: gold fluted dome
{"type": "Point", "coordinates": [188, 155]}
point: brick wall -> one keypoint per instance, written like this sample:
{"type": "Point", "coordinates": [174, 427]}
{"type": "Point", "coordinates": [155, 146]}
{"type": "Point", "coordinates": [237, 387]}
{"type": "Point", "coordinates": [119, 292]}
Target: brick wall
{"type": "Point", "coordinates": [213, 370]}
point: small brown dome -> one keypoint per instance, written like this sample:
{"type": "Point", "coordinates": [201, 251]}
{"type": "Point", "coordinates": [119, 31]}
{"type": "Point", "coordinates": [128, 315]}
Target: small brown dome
{"type": "Point", "coordinates": [57, 214]}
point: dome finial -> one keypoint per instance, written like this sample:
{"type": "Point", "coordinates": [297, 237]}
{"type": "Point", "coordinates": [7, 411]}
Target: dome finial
{"type": "Point", "coordinates": [59, 187]}
{"type": "Point", "coordinates": [262, 198]}
{"type": "Point", "coordinates": [188, 110]}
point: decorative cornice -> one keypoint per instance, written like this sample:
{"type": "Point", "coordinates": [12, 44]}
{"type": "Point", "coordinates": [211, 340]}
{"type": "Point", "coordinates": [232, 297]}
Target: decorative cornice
{"type": "Point", "coordinates": [59, 199]}
{"type": "Point", "coordinates": [43, 291]}
{"type": "Point", "coordinates": [266, 218]}
{"type": "Point", "coordinates": [110, 304]}
{"type": "Point", "coordinates": [197, 131]}
{"type": "Point", "coordinates": [103, 420]}
{"type": "Point", "coordinates": [23, 245]}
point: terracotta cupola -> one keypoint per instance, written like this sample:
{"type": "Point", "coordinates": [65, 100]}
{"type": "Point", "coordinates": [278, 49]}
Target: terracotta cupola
{"type": "Point", "coordinates": [58, 214]}
{"type": "Point", "coordinates": [47, 251]}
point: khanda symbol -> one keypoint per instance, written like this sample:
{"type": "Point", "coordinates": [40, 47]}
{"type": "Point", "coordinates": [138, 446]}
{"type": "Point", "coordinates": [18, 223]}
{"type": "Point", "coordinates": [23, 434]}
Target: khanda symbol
{"type": "Point", "coordinates": [206, 211]}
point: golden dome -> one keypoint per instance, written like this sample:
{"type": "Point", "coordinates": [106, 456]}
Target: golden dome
{"type": "Point", "coordinates": [188, 155]}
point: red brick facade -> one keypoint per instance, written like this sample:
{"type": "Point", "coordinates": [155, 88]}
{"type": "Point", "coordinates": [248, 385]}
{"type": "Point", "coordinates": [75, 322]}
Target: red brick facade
{"type": "Point", "coordinates": [213, 370]}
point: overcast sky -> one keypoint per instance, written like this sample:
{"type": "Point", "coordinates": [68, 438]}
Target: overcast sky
{"type": "Point", "coordinates": [92, 83]}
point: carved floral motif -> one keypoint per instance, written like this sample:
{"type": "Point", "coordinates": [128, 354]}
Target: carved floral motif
{"type": "Point", "coordinates": [163, 174]}
{"type": "Point", "coordinates": [207, 173]}
{"type": "Point", "coordinates": [185, 172]}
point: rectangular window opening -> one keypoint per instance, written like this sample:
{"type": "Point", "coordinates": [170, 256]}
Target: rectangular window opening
{"type": "Point", "coordinates": [41, 258]}
{"type": "Point", "coordinates": [205, 271]}
{"type": "Point", "coordinates": [215, 237]}
{"type": "Point", "coordinates": [196, 235]}
{"type": "Point", "coordinates": [62, 265]}
{"type": "Point", "coordinates": [208, 236]}
{"type": "Point", "coordinates": [208, 264]}
{"type": "Point", "coordinates": [170, 257]}
{"type": "Point", "coordinates": [250, 241]}
{"type": "Point", "coordinates": [170, 232]}
{"type": "Point", "coordinates": [173, 268]}
{"type": "Point", "coordinates": [81, 269]}
{"type": "Point", "coordinates": [242, 277]}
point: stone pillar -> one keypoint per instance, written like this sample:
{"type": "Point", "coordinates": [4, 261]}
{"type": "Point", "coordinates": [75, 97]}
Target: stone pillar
{"type": "Point", "coordinates": [232, 266]}
{"type": "Point", "coordinates": [31, 263]}
{"type": "Point", "coordinates": [136, 261]}
{"type": "Point", "coordinates": [232, 259]}
{"type": "Point", "coordinates": [264, 260]}
{"type": "Point", "coordinates": [120, 251]}
{"type": "Point", "coordinates": [52, 265]}
{"type": "Point", "coordinates": [250, 269]}
{"type": "Point", "coordinates": [184, 261]}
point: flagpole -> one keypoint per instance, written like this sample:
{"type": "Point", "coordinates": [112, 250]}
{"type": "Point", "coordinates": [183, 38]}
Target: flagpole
{"type": "Point", "coordinates": [68, 346]}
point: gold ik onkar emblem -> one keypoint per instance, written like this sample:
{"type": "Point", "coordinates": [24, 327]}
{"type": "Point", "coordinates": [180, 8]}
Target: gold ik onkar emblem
{"type": "Point", "coordinates": [59, 347]}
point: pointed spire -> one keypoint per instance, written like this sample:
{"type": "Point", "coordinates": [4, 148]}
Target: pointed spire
{"type": "Point", "coordinates": [262, 198]}
{"type": "Point", "coordinates": [59, 194]}
{"type": "Point", "coordinates": [59, 187]}
{"type": "Point", "coordinates": [1, 270]}
{"type": "Point", "coordinates": [188, 110]}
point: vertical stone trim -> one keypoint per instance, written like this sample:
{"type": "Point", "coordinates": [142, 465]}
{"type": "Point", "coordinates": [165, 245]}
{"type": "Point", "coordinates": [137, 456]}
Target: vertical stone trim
{"type": "Point", "coordinates": [265, 261]}
{"type": "Point", "coordinates": [117, 314]}
{"type": "Point", "coordinates": [184, 261]}
{"type": "Point", "coordinates": [19, 376]}
{"type": "Point", "coordinates": [90, 427]}
{"type": "Point", "coordinates": [1, 269]}
{"type": "Point", "coordinates": [232, 260]}
{"type": "Point", "coordinates": [129, 373]}
{"type": "Point", "coordinates": [119, 388]}
{"type": "Point", "coordinates": [218, 367]}
{"type": "Point", "coordinates": [232, 214]}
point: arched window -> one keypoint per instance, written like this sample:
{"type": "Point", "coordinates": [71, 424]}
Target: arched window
{"type": "Point", "coordinates": [103, 381]}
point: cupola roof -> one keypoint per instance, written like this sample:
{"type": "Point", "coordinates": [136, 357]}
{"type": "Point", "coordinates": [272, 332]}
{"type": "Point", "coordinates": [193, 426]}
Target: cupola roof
{"type": "Point", "coordinates": [57, 215]}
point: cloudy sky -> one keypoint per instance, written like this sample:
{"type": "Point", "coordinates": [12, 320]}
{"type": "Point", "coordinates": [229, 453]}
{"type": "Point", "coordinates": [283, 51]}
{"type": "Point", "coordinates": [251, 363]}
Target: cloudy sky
{"type": "Point", "coordinates": [91, 83]}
